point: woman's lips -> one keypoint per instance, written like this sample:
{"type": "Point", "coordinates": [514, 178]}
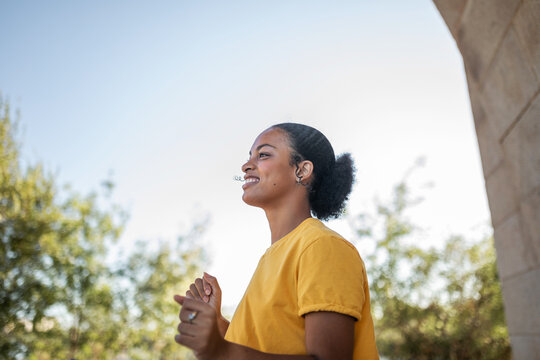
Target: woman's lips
{"type": "Point", "coordinates": [250, 181]}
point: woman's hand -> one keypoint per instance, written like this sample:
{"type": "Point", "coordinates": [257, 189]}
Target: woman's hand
{"type": "Point", "coordinates": [198, 328]}
{"type": "Point", "coordinates": [206, 289]}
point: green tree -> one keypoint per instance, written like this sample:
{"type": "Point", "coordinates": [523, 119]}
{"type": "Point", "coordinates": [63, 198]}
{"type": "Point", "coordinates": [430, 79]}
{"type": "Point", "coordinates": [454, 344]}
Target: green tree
{"type": "Point", "coordinates": [59, 299]}
{"type": "Point", "coordinates": [430, 303]}
{"type": "Point", "coordinates": [151, 278]}
{"type": "Point", "coordinates": [51, 250]}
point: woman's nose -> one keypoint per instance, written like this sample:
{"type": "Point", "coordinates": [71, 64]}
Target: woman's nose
{"type": "Point", "coordinates": [247, 166]}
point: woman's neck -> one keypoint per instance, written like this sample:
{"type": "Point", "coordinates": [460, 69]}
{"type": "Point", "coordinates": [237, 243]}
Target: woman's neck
{"type": "Point", "coordinates": [285, 219]}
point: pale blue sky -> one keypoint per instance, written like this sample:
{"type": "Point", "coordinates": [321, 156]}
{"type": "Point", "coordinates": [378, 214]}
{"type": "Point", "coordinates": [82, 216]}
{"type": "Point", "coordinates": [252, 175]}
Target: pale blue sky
{"type": "Point", "coordinates": [169, 95]}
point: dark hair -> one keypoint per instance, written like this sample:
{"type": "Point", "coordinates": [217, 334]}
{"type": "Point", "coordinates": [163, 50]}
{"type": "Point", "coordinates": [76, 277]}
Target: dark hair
{"type": "Point", "coordinates": [333, 178]}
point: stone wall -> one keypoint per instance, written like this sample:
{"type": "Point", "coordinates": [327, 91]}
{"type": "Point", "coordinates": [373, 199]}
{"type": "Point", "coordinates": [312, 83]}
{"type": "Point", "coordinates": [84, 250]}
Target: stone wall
{"type": "Point", "coordinates": [500, 44]}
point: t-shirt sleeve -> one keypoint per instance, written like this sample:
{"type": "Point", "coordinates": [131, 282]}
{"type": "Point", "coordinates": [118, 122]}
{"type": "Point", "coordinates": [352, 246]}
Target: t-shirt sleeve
{"type": "Point", "coordinates": [331, 278]}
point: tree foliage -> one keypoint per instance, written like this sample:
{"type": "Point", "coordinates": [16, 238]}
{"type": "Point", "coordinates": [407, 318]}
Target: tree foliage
{"type": "Point", "coordinates": [59, 298]}
{"type": "Point", "coordinates": [431, 303]}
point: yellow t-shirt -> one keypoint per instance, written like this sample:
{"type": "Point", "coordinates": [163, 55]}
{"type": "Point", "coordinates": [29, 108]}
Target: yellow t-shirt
{"type": "Point", "coordinates": [312, 268]}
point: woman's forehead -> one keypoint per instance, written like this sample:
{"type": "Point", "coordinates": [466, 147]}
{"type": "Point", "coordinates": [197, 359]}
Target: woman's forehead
{"type": "Point", "coordinates": [274, 137]}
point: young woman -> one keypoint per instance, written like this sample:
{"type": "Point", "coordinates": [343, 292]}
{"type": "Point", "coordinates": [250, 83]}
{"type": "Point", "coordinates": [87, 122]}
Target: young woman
{"type": "Point", "coordinates": [309, 296]}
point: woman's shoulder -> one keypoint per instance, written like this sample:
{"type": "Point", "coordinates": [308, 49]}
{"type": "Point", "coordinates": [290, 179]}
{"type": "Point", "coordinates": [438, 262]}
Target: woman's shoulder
{"type": "Point", "coordinates": [323, 248]}
{"type": "Point", "coordinates": [317, 234]}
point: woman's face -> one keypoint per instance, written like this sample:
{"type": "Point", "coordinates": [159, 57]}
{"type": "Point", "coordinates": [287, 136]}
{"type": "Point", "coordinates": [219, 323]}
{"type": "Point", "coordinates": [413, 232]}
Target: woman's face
{"type": "Point", "coordinates": [269, 176]}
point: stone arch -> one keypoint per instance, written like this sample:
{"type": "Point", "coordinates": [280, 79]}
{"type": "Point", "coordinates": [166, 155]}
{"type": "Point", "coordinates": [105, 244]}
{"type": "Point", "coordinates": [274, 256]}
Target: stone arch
{"type": "Point", "coordinates": [499, 41]}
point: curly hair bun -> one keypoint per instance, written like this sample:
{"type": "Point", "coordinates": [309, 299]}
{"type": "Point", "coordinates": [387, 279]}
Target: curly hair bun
{"type": "Point", "coordinates": [330, 197]}
{"type": "Point", "coordinates": [333, 178]}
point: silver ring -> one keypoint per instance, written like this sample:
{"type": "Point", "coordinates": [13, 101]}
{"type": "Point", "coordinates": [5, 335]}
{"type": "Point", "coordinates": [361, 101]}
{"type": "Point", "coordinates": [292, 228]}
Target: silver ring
{"type": "Point", "coordinates": [192, 316]}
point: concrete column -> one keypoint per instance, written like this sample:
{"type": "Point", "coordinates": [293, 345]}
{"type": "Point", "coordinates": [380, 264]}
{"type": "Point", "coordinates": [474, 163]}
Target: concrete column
{"type": "Point", "coordinates": [500, 44]}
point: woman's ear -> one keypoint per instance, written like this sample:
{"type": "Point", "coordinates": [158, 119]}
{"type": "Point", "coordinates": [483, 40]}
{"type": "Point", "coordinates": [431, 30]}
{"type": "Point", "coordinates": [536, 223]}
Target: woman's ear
{"type": "Point", "coordinates": [304, 171]}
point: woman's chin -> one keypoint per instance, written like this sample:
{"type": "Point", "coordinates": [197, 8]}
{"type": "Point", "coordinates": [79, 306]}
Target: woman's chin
{"type": "Point", "coordinates": [246, 198]}
{"type": "Point", "coordinates": [250, 200]}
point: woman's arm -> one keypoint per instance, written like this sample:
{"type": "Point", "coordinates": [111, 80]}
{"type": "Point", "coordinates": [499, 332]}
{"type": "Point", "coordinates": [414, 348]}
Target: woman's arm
{"type": "Point", "coordinates": [329, 336]}
{"type": "Point", "coordinates": [223, 325]}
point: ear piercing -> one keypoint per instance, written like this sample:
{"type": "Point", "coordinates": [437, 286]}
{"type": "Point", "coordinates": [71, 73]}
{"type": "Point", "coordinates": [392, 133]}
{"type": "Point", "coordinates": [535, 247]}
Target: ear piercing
{"type": "Point", "coordinates": [299, 180]}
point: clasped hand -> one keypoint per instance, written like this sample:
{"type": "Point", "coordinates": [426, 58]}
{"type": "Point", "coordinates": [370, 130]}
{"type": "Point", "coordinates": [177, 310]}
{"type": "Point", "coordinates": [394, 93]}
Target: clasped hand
{"type": "Point", "coordinates": [200, 319]}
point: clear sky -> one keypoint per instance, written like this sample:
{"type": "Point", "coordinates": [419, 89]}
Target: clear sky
{"type": "Point", "coordinates": [168, 96]}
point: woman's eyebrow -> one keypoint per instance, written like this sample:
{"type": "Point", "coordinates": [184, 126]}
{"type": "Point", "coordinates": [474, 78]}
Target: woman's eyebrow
{"type": "Point", "coordinates": [261, 146]}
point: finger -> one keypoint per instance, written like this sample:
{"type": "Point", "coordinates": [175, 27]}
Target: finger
{"type": "Point", "coordinates": [187, 341]}
{"type": "Point", "coordinates": [207, 287]}
{"type": "Point", "coordinates": [212, 281]}
{"type": "Point", "coordinates": [200, 287]}
{"type": "Point", "coordinates": [185, 316]}
{"type": "Point", "coordinates": [187, 329]}
{"type": "Point", "coordinates": [179, 299]}
{"type": "Point", "coordinates": [191, 305]}
{"type": "Point", "coordinates": [195, 292]}
{"type": "Point", "coordinates": [189, 295]}
{"type": "Point", "coordinates": [184, 299]}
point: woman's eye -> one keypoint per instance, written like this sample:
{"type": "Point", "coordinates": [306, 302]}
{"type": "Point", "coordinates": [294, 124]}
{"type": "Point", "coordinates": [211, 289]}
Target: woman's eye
{"type": "Point", "coordinates": [262, 155]}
